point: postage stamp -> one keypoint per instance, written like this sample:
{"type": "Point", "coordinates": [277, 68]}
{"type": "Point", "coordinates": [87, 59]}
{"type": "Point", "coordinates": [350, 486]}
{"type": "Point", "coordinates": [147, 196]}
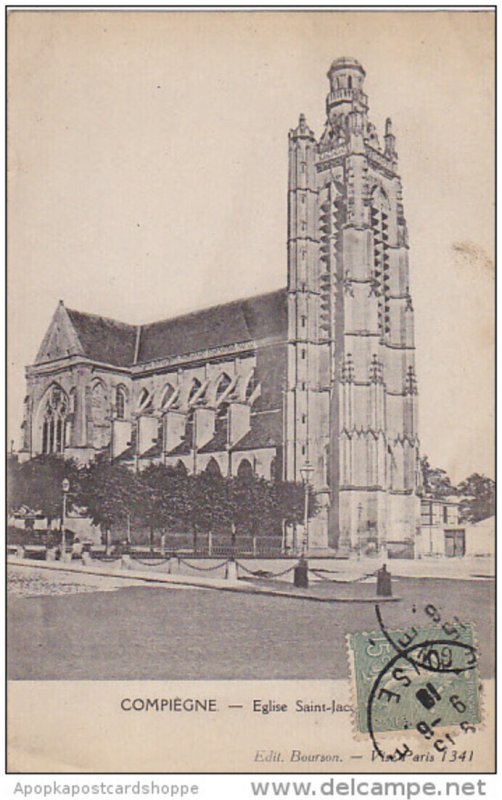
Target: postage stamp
{"type": "Point", "coordinates": [422, 679]}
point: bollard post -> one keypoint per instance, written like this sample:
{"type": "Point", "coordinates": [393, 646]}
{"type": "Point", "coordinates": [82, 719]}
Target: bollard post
{"type": "Point", "coordinates": [254, 547]}
{"type": "Point", "coordinates": [301, 574]}
{"type": "Point", "coordinates": [210, 543]}
{"type": "Point", "coordinates": [384, 582]}
{"type": "Point", "coordinates": [126, 561]}
{"type": "Point", "coordinates": [231, 571]}
{"type": "Point", "coordinates": [86, 558]}
{"type": "Point", "coordinates": [20, 551]}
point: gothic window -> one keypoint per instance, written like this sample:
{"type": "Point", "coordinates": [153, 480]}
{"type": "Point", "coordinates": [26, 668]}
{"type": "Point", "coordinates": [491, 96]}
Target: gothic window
{"type": "Point", "coordinates": [120, 402]}
{"type": "Point", "coordinates": [196, 384]}
{"type": "Point", "coordinates": [145, 403]}
{"type": "Point", "coordinates": [250, 386]}
{"type": "Point", "coordinates": [166, 396]}
{"type": "Point", "coordinates": [54, 422]}
{"type": "Point", "coordinates": [213, 468]}
{"type": "Point", "coordinates": [245, 470]}
{"type": "Point", "coordinates": [223, 384]}
{"type": "Point", "coordinates": [100, 412]}
{"type": "Point", "coordinates": [349, 82]}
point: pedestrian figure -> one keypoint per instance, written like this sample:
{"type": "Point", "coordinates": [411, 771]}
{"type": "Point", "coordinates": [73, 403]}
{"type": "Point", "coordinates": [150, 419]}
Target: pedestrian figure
{"type": "Point", "coordinates": [76, 549]}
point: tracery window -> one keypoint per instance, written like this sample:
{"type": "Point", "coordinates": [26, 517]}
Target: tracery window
{"type": "Point", "coordinates": [120, 402]}
{"type": "Point", "coordinates": [145, 403]}
{"type": "Point", "coordinates": [223, 384]}
{"type": "Point", "coordinates": [54, 422]}
{"type": "Point", "coordinates": [166, 396]}
{"type": "Point", "coordinates": [196, 384]}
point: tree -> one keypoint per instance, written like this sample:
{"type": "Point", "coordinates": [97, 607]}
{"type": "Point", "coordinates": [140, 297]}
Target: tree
{"type": "Point", "coordinates": [436, 482]}
{"type": "Point", "coordinates": [37, 484]}
{"type": "Point", "coordinates": [210, 506]}
{"type": "Point", "coordinates": [110, 493]}
{"type": "Point", "coordinates": [164, 498]}
{"type": "Point", "coordinates": [478, 498]}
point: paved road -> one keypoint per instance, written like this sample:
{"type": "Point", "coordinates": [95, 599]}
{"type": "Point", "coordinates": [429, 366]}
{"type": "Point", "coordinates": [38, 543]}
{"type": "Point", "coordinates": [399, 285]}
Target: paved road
{"type": "Point", "coordinates": [58, 631]}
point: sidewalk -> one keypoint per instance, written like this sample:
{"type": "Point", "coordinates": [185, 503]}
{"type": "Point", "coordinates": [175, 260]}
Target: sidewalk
{"type": "Point", "coordinates": [322, 592]}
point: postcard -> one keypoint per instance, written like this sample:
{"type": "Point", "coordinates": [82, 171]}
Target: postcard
{"type": "Point", "coordinates": [251, 486]}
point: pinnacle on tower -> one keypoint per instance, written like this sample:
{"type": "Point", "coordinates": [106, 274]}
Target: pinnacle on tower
{"type": "Point", "coordinates": [302, 131]}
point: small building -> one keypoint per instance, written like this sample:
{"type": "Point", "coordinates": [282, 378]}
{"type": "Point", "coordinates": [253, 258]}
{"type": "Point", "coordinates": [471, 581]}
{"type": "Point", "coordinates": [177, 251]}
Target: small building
{"type": "Point", "coordinates": [440, 532]}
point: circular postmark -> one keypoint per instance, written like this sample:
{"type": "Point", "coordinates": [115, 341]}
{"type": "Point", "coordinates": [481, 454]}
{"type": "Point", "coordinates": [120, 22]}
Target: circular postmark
{"type": "Point", "coordinates": [422, 687]}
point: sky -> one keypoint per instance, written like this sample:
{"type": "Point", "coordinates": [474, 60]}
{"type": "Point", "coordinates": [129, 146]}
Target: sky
{"type": "Point", "coordinates": [148, 177]}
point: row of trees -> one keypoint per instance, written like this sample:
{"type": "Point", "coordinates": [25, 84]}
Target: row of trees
{"type": "Point", "coordinates": [160, 498]}
{"type": "Point", "coordinates": [476, 493]}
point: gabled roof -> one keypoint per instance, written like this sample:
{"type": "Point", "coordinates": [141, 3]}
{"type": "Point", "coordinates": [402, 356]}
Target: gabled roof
{"type": "Point", "coordinates": [108, 341]}
{"type": "Point", "coordinates": [252, 318]}
{"type": "Point", "coordinates": [104, 339]}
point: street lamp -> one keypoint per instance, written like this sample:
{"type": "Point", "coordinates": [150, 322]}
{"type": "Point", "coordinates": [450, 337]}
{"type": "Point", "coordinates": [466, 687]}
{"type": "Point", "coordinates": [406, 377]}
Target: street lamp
{"type": "Point", "coordinates": [306, 471]}
{"type": "Point", "coordinates": [359, 529]}
{"type": "Point", "coordinates": [65, 485]}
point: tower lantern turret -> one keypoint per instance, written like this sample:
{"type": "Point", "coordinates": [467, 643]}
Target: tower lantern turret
{"type": "Point", "coordinates": [346, 77]}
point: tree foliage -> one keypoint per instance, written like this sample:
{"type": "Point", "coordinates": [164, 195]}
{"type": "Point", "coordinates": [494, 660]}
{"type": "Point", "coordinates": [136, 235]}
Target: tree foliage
{"type": "Point", "coordinates": [478, 498]}
{"type": "Point", "coordinates": [476, 493]}
{"type": "Point", "coordinates": [435, 481]}
{"type": "Point", "coordinates": [109, 493]}
{"type": "Point", "coordinates": [160, 498]}
{"type": "Point", "coordinates": [37, 484]}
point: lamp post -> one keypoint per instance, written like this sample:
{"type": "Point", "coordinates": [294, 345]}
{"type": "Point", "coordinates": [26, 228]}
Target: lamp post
{"type": "Point", "coordinates": [306, 471]}
{"type": "Point", "coordinates": [65, 485]}
{"type": "Point", "coordinates": [359, 529]}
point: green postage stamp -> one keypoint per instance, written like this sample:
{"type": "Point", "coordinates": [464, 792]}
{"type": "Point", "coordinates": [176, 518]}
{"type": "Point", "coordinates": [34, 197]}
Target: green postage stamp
{"type": "Point", "coordinates": [421, 679]}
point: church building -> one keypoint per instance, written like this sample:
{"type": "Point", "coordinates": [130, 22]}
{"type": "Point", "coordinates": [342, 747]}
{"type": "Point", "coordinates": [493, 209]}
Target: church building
{"type": "Point", "coordinates": [321, 372]}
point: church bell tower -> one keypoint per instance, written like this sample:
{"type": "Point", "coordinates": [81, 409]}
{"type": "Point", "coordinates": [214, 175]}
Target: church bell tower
{"type": "Point", "coordinates": [351, 399]}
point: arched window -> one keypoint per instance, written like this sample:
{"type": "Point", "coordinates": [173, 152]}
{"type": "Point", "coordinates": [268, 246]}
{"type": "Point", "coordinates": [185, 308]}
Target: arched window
{"type": "Point", "coordinates": [100, 415]}
{"type": "Point", "coordinates": [145, 401]}
{"type": "Point", "coordinates": [54, 422]}
{"type": "Point", "coordinates": [120, 402]}
{"type": "Point", "coordinates": [196, 384]}
{"type": "Point", "coordinates": [250, 385]}
{"type": "Point", "coordinates": [245, 470]}
{"type": "Point", "coordinates": [223, 384]}
{"type": "Point", "coordinates": [213, 468]}
{"type": "Point", "coordinates": [166, 397]}
{"type": "Point", "coordinates": [349, 82]}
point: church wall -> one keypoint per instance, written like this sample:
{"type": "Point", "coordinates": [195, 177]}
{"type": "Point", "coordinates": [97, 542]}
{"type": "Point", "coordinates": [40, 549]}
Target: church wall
{"type": "Point", "coordinates": [343, 383]}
